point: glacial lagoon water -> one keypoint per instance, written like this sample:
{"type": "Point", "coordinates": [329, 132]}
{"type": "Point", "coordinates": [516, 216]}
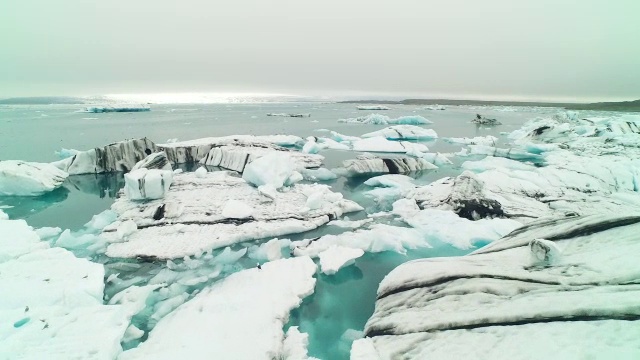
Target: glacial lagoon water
{"type": "Point", "coordinates": [340, 302]}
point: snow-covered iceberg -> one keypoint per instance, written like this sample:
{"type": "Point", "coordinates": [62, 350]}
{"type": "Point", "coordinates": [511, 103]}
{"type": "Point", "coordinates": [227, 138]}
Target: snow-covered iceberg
{"type": "Point", "coordinates": [381, 144]}
{"type": "Point", "coordinates": [192, 151]}
{"type": "Point", "coordinates": [478, 140]}
{"type": "Point", "coordinates": [117, 157]}
{"type": "Point", "coordinates": [251, 305]}
{"type": "Point", "coordinates": [336, 257]}
{"type": "Point", "coordinates": [378, 119]}
{"type": "Point", "coordinates": [189, 220]}
{"type": "Point", "coordinates": [20, 178]}
{"type": "Point", "coordinates": [501, 302]}
{"type": "Point", "coordinates": [403, 132]}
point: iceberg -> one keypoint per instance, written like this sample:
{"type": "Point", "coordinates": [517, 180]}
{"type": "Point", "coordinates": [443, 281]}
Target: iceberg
{"type": "Point", "coordinates": [192, 151]}
{"type": "Point", "coordinates": [117, 157]}
{"type": "Point", "coordinates": [500, 305]}
{"type": "Point", "coordinates": [378, 119]}
{"type": "Point", "coordinates": [403, 132]}
{"type": "Point", "coordinates": [189, 219]}
{"type": "Point", "coordinates": [336, 257]}
{"type": "Point", "coordinates": [156, 160]}
{"type": "Point", "coordinates": [276, 170]}
{"type": "Point", "coordinates": [289, 115]}
{"type": "Point", "coordinates": [434, 107]}
{"type": "Point", "coordinates": [116, 108]}
{"type": "Point", "coordinates": [20, 178]}
{"type": "Point", "coordinates": [373, 107]}
{"type": "Point", "coordinates": [251, 304]}
{"type": "Point", "coordinates": [237, 158]}
{"type": "Point", "coordinates": [374, 165]}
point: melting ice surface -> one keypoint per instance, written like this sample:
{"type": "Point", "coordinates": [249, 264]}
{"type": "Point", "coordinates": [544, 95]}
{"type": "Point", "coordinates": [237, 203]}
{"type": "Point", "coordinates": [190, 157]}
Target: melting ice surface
{"type": "Point", "coordinates": [336, 312]}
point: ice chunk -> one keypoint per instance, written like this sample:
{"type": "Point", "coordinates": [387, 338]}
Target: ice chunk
{"type": "Point", "coordinates": [19, 178]}
{"type": "Point", "coordinates": [45, 233]}
{"type": "Point", "coordinates": [391, 180]}
{"type": "Point", "coordinates": [289, 115]}
{"type": "Point", "coordinates": [156, 160]}
{"type": "Point", "coordinates": [321, 174]}
{"type": "Point", "coordinates": [403, 132]}
{"type": "Point", "coordinates": [447, 227]}
{"type": "Point", "coordinates": [336, 257]}
{"type": "Point", "coordinates": [479, 119]}
{"type": "Point", "coordinates": [544, 252]}
{"type": "Point", "coordinates": [251, 304]}
{"type": "Point", "coordinates": [272, 169]}
{"type": "Point", "coordinates": [434, 107]}
{"type": "Point", "coordinates": [373, 107]}
{"type": "Point", "coordinates": [295, 345]}
{"type": "Point", "coordinates": [235, 209]}
{"type": "Point", "coordinates": [377, 119]}
{"type": "Point", "coordinates": [378, 238]}
{"type": "Point", "coordinates": [3, 215]}
{"type": "Point", "coordinates": [269, 251]}
{"type": "Point", "coordinates": [126, 228]}
{"type": "Point", "coordinates": [349, 224]}
{"type": "Point", "coordinates": [121, 156]}
{"type": "Point", "coordinates": [201, 172]}
{"type": "Point", "coordinates": [380, 144]}
{"type": "Point", "coordinates": [144, 184]}
{"type": "Point", "coordinates": [362, 166]}
{"type": "Point", "coordinates": [311, 146]}
{"type": "Point", "coordinates": [336, 136]}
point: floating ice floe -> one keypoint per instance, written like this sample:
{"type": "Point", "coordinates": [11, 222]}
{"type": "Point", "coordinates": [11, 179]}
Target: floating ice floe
{"type": "Point", "coordinates": [192, 151]}
{"type": "Point", "coordinates": [373, 107]}
{"type": "Point", "coordinates": [251, 304]}
{"type": "Point", "coordinates": [116, 157]}
{"type": "Point", "coordinates": [373, 165]}
{"type": "Point", "coordinates": [378, 119]}
{"type": "Point", "coordinates": [479, 119]}
{"type": "Point", "coordinates": [377, 238]}
{"type": "Point", "coordinates": [381, 144]}
{"type": "Point", "coordinates": [434, 107]}
{"type": "Point", "coordinates": [501, 304]}
{"type": "Point", "coordinates": [514, 153]}
{"type": "Point", "coordinates": [20, 178]}
{"type": "Point", "coordinates": [336, 257]}
{"type": "Point", "coordinates": [189, 219]}
{"type": "Point", "coordinates": [478, 140]}
{"type": "Point", "coordinates": [116, 108]}
{"type": "Point", "coordinates": [236, 158]}
{"type": "Point", "coordinates": [403, 132]}
{"type": "Point", "coordinates": [320, 174]}
{"type": "Point", "coordinates": [51, 305]}
{"type": "Point", "coordinates": [289, 115]}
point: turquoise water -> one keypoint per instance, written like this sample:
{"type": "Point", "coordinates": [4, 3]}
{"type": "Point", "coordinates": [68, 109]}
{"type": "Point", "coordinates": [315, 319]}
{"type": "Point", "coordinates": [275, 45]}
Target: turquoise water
{"type": "Point", "coordinates": [340, 302]}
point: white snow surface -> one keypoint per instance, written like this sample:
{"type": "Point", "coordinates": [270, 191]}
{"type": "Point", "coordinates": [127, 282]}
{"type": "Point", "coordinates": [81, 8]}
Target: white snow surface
{"type": "Point", "coordinates": [381, 144]}
{"type": "Point", "coordinates": [251, 304]}
{"type": "Point", "coordinates": [20, 178]}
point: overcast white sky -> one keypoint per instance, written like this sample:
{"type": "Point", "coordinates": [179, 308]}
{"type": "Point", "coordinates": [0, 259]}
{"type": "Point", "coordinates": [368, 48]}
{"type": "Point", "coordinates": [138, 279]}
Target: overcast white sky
{"type": "Point", "coordinates": [545, 49]}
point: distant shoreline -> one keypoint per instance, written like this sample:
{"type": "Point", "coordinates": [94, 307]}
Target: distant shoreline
{"type": "Point", "coordinates": [624, 106]}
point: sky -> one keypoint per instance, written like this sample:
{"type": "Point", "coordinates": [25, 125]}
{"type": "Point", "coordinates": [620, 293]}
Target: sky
{"type": "Point", "coordinates": [489, 49]}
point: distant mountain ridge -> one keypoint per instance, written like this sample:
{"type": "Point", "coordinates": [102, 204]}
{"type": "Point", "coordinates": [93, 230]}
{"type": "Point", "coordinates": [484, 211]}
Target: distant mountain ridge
{"type": "Point", "coordinates": [626, 106]}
